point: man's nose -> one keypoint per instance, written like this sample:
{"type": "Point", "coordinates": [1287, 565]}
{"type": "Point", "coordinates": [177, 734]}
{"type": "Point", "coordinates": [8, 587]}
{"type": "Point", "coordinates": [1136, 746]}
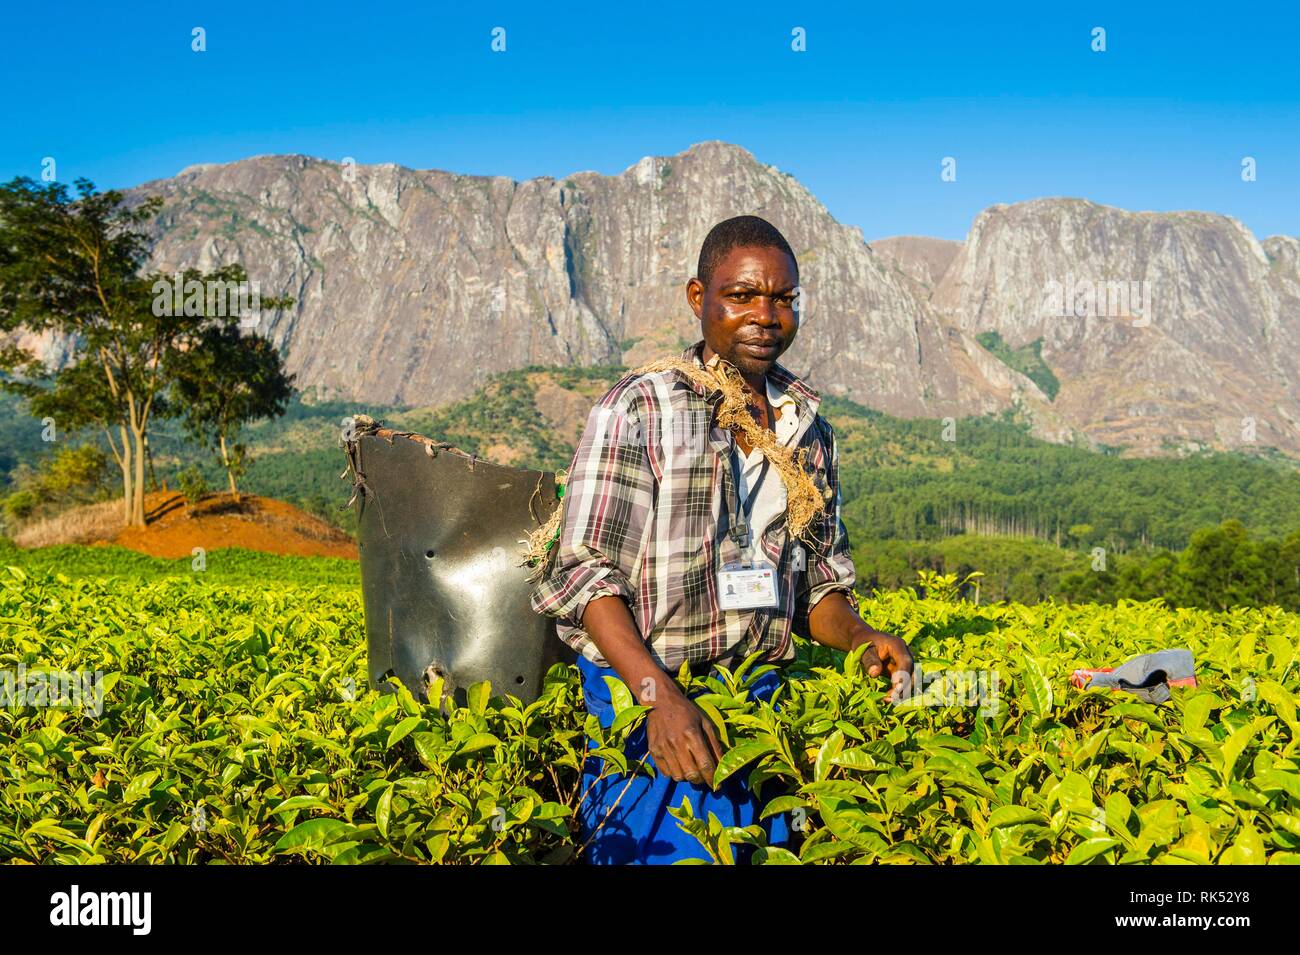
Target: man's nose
{"type": "Point", "coordinates": [764, 312]}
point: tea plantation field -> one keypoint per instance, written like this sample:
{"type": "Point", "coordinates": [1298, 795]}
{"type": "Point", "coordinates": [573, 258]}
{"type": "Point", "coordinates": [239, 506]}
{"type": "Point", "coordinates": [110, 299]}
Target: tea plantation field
{"type": "Point", "coordinates": [237, 725]}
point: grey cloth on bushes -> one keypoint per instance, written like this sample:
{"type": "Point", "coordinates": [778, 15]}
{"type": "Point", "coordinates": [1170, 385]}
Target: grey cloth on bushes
{"type": "Point", "coordinates": [1147, 677]}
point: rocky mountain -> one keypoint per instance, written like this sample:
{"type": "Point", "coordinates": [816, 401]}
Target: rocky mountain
{"type": "Point", "coordinates": [922, 259]}
{"type": "Point", "coordinates": [1164, 329]}
{"type": "Point", "coordinates": [413, 286]}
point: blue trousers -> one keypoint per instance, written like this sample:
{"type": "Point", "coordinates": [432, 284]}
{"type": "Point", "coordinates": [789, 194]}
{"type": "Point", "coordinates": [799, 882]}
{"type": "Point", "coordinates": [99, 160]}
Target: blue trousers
{"type": "Point", "coordinates": [639, 829]}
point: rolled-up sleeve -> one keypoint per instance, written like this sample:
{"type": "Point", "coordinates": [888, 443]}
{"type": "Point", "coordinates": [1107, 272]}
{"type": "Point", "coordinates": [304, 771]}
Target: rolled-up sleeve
{"type": "Point", "coordinates": [833, 569]}
{"type": "Point", "coordinates": [607, 507]}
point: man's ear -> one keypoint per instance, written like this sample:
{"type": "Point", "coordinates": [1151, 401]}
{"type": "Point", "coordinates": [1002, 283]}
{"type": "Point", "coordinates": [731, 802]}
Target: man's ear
{"type": "Point", "coordinates": [695, 296]}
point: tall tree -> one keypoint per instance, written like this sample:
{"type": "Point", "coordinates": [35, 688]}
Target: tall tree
{"type": "Point", "coordinates": [225, 380]}
{"type": "Point", "coordinates": [71, 266]}
{"type": "Point", "coordinates": [1220, 568]}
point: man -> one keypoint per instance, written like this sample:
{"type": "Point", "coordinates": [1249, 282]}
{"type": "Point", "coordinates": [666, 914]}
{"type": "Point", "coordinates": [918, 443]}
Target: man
{"type": "Point", "coordinates": [665, 512]}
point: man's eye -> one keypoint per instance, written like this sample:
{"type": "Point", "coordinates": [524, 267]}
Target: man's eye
{"type": "Point", "coordinates": [741, 296]}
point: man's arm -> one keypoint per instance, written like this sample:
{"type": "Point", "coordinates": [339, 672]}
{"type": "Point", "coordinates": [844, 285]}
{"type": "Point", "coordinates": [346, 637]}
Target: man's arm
{"type": "Point", "coordinates": [608, 506]}
{"type": "Point", "coordinates": [834, 622]}
{"type": "Point", "coordinates": [681, 739]}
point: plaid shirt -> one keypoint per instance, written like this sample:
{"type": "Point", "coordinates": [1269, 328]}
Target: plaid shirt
{"type": "Point", "coordinates": [646, 518]}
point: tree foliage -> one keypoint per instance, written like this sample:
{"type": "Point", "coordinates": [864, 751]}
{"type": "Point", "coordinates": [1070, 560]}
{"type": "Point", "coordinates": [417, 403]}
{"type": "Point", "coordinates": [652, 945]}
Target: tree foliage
{"type": "Point", "coordinates": [225, 380]}
{"type": "Point", "coordinates": [71, 267]}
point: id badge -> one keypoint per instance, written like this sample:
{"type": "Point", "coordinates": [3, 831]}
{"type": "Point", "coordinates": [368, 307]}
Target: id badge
{"type": "Point", "coordinates": [742, 586]}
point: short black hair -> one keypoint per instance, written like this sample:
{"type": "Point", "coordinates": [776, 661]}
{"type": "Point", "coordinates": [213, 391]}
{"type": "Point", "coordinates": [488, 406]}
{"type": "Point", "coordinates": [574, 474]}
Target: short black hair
{"type": "Point", "coordinates": [735, 233]}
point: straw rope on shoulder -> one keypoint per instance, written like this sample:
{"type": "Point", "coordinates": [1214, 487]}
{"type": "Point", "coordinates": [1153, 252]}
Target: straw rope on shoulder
{"type": "Point", "coordinates": [804, 500]}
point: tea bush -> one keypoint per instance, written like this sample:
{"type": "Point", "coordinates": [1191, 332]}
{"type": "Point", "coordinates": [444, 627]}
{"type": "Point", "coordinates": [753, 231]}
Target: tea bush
{"type": "Point", "coordinates": [226, 564]}
{"type": "Point", "coordinates": [237, 726]}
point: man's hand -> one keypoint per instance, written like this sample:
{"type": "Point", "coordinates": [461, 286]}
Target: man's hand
{"type": "Point", "coordinates": [682, 740]}
{"type": "Point", "coordinates": [834, 622]}
{"type": "Point", "coordinates": [886, 653]}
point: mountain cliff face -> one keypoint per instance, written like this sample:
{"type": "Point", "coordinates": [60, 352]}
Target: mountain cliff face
{"type": "Point", "coordinates": [413, 286]}
{"type": "Point", "coordinates": [1163, 329]}
{"type": "Point", "coordinates": [922, 259]}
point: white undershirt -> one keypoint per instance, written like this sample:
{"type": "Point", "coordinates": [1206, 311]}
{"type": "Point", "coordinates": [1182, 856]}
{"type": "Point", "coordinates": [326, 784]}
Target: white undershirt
{"type": "Point", "coordinates": [771, 500]}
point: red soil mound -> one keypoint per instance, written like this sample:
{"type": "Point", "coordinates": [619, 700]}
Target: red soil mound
{"type": "Point", "coordinates": [255, 523]}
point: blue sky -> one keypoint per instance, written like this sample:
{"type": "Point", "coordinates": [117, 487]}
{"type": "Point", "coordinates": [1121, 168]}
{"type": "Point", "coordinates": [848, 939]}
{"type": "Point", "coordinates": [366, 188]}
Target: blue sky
{"type": "Point", "coordinates": [1161, 120]}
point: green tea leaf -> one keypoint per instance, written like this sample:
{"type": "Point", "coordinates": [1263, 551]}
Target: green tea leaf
{"type": "Point", "coordinates": [1090, 849]}
{"type": "Point", "coordinates": [314, 835]}
{"type": "Point", "coordinates": [1015, 816]}
{"type": "Point", "coordinates": [619, 694]}
{"type": "Point", "coordinates": [738, 756]}
{"type": "Point", "coordinates": [1038, 691]}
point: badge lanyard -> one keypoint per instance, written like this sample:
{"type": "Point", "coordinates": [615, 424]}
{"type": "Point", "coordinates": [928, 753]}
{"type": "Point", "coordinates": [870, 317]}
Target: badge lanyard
{"type": "Point", "coordinates": [747, 584]}
{"type": "Point", "coordinates": [740, 511]}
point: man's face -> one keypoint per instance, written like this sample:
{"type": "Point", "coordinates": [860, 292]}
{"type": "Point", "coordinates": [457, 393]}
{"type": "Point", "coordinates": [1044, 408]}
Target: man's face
{"type": "Point", "coordinates": [747, 310]}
